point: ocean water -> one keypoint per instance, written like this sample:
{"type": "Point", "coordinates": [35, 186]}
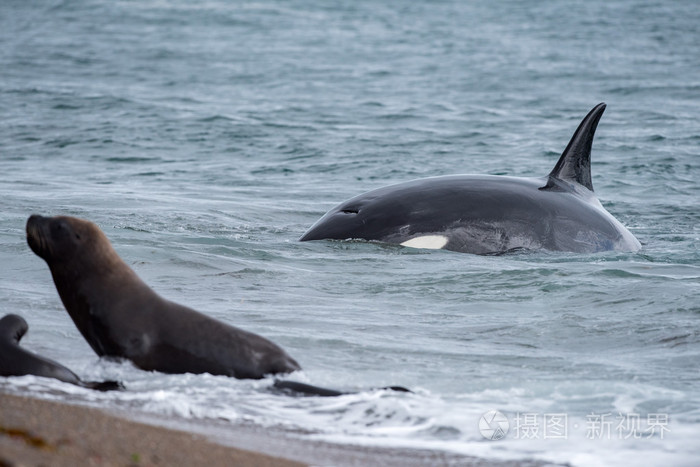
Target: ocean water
{"type": "Point", "coordinates": [205, 137]}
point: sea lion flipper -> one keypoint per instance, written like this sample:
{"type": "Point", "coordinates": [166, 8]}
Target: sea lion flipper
{"type": "Point", "coordinates": [296, 388]}
{"type": "Point", "coordinates": [303, 389]}
{"type": "Point", "coordinates": [397, 389]}
{"type": "Point", "coordinates": [104, 385]}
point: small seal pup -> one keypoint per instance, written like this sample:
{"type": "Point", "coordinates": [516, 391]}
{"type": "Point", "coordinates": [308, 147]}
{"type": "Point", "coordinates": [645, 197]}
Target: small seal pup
{"type": "Point", "coordinates": [16, 361]}
{"type": "Point", "coordinates": [120, 316]}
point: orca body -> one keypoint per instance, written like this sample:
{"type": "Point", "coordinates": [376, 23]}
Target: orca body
{"type": "Point", "coordinates": [487, 214]}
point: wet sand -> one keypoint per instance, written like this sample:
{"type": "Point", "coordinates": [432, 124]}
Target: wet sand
{"type": "Point", "coordinates": [37, 432]}
{"type": "Point", "coordinates": [40, 432]}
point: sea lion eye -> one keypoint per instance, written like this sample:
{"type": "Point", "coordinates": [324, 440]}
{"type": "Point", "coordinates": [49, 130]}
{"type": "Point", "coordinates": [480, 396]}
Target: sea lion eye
{"type": "Point", "coordinates": [77, 236]}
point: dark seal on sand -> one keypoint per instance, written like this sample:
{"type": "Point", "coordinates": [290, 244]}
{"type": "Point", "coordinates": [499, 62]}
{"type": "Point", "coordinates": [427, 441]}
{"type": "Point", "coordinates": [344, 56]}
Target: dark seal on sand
{"type": "Point", "coordinates": [16, 361]}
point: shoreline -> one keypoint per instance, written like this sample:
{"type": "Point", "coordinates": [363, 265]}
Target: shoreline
{"type": "Point", "coordinates": [36, 431]}
{"type": "Point", "coordinates": [41, 432]}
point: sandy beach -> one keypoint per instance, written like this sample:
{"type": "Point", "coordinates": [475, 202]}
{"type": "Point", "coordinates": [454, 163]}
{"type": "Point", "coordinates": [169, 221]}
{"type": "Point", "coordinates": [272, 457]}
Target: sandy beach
{"type": "Point", "coordinates": [37, 432]}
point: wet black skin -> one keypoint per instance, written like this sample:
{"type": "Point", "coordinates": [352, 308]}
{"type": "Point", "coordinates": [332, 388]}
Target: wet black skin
{"type": "Point", "coordinates": [485, 214]}
{"type": "Point", "coordinates": [120, 316]}
{"type": "Point", "coordinates": [16, 361]}
{"type": "Point", "coordinates": [479, 214]}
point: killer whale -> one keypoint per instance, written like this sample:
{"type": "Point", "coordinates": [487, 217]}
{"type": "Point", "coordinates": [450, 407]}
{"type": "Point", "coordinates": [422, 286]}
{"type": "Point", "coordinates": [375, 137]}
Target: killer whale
{"type": "Point", "coordinates": [487, 214]}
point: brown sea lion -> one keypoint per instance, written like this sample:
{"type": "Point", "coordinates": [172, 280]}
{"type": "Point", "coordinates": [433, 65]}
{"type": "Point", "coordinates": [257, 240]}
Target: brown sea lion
{"type": "Point", "coordinates": [16, 361]}
{"type": "Point", "coordinates": [120, 316]}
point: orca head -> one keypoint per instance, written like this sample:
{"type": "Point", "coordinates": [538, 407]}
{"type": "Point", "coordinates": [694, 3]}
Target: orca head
{"type": "Point", "coordinates": [344, 222]}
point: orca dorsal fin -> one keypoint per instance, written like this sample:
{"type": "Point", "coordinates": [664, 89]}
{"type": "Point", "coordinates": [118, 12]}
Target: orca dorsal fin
{"type": "Point", "coordinates": [575, 162]}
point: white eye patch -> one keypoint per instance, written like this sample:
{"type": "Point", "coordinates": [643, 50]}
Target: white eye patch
{"type": "Point", "coordinates": [431, 242]}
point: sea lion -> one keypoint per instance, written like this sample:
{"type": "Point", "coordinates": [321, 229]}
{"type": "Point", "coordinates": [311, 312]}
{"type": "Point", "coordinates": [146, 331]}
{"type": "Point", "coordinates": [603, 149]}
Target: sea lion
{"type": "Point", "coordinates": [488, 214]}
{"type": "Point", "coordinates": [16, 361]}
{"type": "Point", "coordinates": [120, 316]}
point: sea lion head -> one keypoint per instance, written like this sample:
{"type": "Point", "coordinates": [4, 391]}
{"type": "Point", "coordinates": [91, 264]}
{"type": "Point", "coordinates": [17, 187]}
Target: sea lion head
{"type": "Point", "coordinates": [63, 240]}
{"type": "Point", "coordinates": [12, 328]}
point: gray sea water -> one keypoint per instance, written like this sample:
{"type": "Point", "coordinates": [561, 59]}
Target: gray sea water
{"type": "Point", "coordinates": [205, 137]}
